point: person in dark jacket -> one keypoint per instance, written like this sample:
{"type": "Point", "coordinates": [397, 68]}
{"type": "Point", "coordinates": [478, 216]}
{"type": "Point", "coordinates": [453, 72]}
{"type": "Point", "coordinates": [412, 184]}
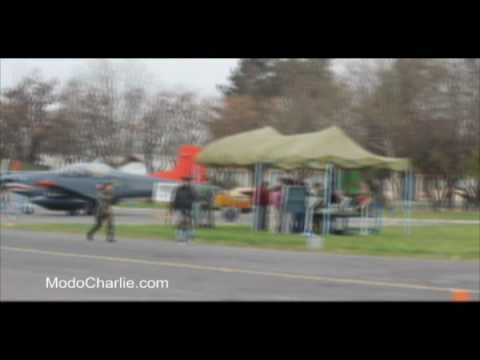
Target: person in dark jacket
{"type": "Point", "coordinates": [182, 204]}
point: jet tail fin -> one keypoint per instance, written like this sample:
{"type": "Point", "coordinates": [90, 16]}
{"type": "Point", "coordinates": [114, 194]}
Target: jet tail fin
{"type": "Point", "coordinates": [185, 166]}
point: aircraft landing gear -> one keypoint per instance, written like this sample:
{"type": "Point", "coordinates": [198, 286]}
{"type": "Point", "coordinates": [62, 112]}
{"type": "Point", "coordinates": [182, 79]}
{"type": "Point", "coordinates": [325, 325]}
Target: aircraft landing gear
{"type": "Point", "coordinates": [28, 209]}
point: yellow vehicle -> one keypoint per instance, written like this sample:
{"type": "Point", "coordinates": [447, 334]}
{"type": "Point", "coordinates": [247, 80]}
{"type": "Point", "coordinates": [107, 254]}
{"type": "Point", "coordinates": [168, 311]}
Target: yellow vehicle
{"type": "Point", "coordinates": [238, 198]}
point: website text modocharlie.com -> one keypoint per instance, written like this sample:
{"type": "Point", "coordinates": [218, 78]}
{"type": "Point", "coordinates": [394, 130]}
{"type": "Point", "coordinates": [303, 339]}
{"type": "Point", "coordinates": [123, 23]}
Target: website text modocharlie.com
{"type": "Point", "coordinates": [93, 282]}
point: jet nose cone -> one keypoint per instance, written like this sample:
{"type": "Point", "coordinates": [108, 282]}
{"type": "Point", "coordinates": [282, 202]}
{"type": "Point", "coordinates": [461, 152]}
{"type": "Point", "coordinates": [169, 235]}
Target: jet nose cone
{"type": "Point", "coordinates": [4, 180]}
{"type": "Point", "coordinates": [17, 187]}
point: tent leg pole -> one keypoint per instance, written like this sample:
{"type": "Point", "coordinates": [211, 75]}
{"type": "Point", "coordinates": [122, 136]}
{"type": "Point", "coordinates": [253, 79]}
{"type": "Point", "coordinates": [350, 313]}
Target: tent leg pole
{"type": "Point", "coordinates": [255, 207]}
{"type": "Point", "coordinates": [326, 215]}
{"type": "Point", "coordinates": [325, 196]}
{"type": "Point", "coordinates": [404, 198]}
{"type": "Point", "coordinates": [330, 192]}
{"type": "Point", "coordinates": [407, 203]}
{"type": "Point", "coordinates": [410, 204]}
{"type": "Point", "coordinates": [258, 182]}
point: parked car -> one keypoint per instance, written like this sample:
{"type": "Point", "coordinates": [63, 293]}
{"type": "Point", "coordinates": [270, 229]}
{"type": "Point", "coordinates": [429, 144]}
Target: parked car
{"type": "Point", "coordinates": [238, 198]}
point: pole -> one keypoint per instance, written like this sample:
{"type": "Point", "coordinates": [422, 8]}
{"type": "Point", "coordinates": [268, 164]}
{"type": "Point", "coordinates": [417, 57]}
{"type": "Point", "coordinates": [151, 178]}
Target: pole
{"type": "Point", "coordinates": [330, 192]}
{"type": "Point", "coordinates": [258, 182]}
{"type": "Point", "coordinates": [410, 200]}
{"type": "Point", "coordinates": [408, 194]}
{"type": "Point", "coordinates": [338, 179]}
{"type": "Point", "coordinates": [255, 209]}
{"type": "Point", "coordinates": [404, 198]}
{"type": "Point", "coordinates": [327, 194]}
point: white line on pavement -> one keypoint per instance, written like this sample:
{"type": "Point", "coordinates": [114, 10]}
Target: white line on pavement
{"type": "Point", "coordinates": [239, 271]}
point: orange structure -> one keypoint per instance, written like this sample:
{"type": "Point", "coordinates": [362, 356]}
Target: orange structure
{"type": "Point", "coordinates": [185, 166]}
{"type": "Point", "coordinates": [16, 165]}
{"type": "Point", "coordinates": [461, 295]}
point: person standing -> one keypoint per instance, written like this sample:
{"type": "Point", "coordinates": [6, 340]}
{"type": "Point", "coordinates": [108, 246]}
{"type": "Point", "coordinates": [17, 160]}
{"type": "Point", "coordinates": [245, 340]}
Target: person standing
{"type": "Point", "coordinates": [276, 209]}
{"type": "Point", "coordinates": [182, 204]}
{"type": "Point", "coordinates": [299, 213]}
{"type": "Point", "coordinates": [261, 201]}
{"type": "Point", "coordinates": [364, 198]}
{"type": "Point", "coordinates": [314, 200]}
{"type": "Point", "coordinates": [104, 212]}
{"type": "Point", "coordinates": [205, 203]}
{"type": "Point", "coordinates": [210, 204]}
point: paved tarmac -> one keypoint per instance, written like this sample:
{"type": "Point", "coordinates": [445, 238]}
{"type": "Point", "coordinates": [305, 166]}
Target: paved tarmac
{"type": "Point", "coordinates": [157, 216]}
{"type": "Point", "coordinates": [213, 273]}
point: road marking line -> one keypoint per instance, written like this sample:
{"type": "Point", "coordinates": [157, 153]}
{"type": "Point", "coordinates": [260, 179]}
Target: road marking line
{"type": "Point", "coordinates": [239, 271]}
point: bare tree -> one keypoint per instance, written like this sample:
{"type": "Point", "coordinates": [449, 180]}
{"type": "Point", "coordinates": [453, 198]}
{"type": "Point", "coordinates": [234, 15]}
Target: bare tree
{"type": "Point", "coordinates": [419, 108]}
{"type": "Point", "coordinates": [171, 120]}
{"type": "Point", "coordinates": [109, 103]}
{"type": "Point", "coordinates": [154, 128]}
{"type": "Point", "coordinates": [6, 131]}
{"type": "Point", "coordinates": [27, 116]}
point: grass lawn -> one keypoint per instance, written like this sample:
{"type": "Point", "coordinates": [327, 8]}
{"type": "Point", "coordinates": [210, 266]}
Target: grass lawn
{"type": "Point", "coordinates": [436, 241]}
{"type": "Point", "coordinates": [397, 213]}
{"type": "Point", "coordinates": [442, 215]}
{"type": "Point", "coordinates": [138, 204]}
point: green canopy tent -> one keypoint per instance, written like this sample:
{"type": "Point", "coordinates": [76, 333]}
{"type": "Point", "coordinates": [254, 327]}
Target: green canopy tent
{"type": "Point", "coordinates": [330, 146]}
{"type": "Point", "coordinates": [242, 150]}
{"type": "Point", "coordinates": [313, 151]}
{"type": "Point", "coordinates": [319, 150]}
{"type": "Point", "coordinates": [332, 149]}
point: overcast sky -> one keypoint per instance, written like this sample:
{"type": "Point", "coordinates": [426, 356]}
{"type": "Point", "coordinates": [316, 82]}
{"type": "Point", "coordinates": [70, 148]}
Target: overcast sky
{"type": "Point", "coordinates": [200, 75]}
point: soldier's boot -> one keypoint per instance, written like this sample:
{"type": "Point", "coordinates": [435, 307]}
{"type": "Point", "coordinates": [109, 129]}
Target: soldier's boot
{"type": "Point", "coordinates": [110, 236]}
{"type": "Point", "coordinates": [180, 236]}
{"type": "Point", "coordinates": [189, 237]}
{"type": "Point", "coordinates": [110, 233]}
{"type": "Point", "coordinates": [90, 235]}
{"type": "Point", "coordinates": [96, 227]}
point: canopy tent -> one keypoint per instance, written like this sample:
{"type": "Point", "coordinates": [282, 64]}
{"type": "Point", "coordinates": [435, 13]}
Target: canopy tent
{"type": "Point", "coordinates": [241, 150]}
{"type": "Point", "coordinates": [318, 150]}
{"type": "Point", "coordinates": [329, 146]}
{"type": "Point", "coordinates": [313, 151]}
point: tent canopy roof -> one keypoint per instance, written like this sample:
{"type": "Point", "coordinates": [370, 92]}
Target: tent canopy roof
{"type": "Point", "coordinates": [329, 146]}
{"type": "Point", "coordinates": [312, 150]}
{"type": "Point", "coordinates": [240, 150]}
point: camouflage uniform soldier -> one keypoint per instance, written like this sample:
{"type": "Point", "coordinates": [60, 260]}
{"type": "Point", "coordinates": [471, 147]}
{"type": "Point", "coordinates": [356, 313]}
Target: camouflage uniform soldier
{"type": "Point", "coordinates": [104, 212]}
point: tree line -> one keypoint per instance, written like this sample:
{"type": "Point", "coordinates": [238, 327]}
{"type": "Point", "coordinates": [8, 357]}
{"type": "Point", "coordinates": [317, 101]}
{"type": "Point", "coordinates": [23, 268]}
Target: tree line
{"type": "Point", "coordinates": [107, 111]}
{"type": "Point", "coordinates": [427, 110]}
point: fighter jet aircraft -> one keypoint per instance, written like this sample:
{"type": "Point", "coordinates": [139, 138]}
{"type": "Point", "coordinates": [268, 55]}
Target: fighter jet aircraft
{"type": "Point", "coordinates": [74, 187]}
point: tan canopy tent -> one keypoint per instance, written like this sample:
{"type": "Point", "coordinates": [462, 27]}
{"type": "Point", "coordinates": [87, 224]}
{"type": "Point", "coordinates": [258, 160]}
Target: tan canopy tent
{"type": "Point", "coordinates": [318, 150]}
{"type": "Point", "coordinates": [312, 150]}
{"type": "Point", "coordinates": [329, 146]}
{"type": "Point", "coordinates": [241, 150]}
